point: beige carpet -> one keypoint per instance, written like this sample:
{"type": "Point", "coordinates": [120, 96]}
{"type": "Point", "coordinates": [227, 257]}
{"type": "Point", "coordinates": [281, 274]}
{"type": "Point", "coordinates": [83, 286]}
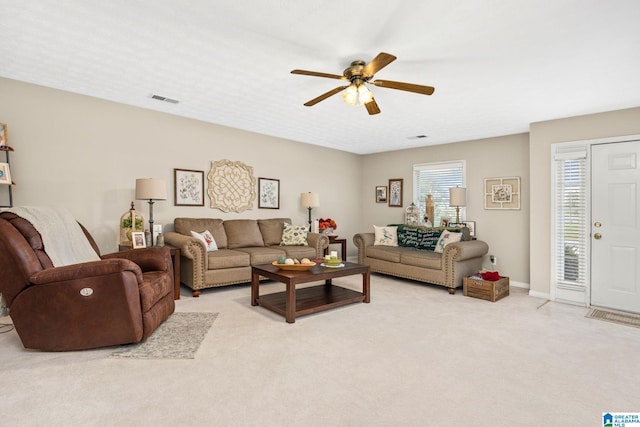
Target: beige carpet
{"type": "Point", "coordinates": [415, 356]}
{"type": "Point", "coordinates": [179, 337]}
{"type": "Point", "coordinates": [619, 318]}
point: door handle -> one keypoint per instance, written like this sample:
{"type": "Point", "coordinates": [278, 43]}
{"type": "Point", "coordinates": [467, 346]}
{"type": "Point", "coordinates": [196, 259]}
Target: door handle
{"type": "Point", "coordinates": [597, 236]}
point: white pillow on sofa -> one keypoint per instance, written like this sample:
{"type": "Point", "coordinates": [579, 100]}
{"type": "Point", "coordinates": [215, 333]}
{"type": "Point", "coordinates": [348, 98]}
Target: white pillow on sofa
{"type": "Point", "coordinates": [207, 239]}
{"type": "Point", "coordinates": [385, 236]}
{"type": "Point", "coordinates": [445, 238]}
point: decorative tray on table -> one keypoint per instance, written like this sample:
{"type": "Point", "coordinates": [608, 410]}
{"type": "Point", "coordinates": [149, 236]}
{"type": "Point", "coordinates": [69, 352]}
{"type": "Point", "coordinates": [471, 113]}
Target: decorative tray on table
{"type": "Point", "coordinates": [298, 267]}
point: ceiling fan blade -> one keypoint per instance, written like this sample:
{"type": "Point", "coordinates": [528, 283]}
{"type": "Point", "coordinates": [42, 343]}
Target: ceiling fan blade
{"type": "Point", "coordinates": [409, 87]}
{"type": "Point", "coordinates": [324, 96]}
{"type": "Point", "coordinates": [317, 74]}
{"type": "Point", "coordinates": [372, 107]}
{"type": "Point", "coordinates": [378, 63]}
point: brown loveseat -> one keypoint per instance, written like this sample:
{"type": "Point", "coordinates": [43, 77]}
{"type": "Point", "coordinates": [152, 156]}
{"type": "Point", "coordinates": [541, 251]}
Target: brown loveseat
{"type": "Point", "coordinates": [457, 261]}
{"type": "Point", "coordinates": [119, 299]}
{"type": "Point", "coordinates": [241, 243]}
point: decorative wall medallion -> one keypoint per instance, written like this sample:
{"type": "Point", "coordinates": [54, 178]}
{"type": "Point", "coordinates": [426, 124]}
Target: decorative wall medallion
{"type": "Point", "coordinates": [232, 186]}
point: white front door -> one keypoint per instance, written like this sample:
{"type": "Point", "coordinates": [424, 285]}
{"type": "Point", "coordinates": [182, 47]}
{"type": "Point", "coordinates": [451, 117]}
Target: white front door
{"type": "Point", "coordinates": [615, 226]}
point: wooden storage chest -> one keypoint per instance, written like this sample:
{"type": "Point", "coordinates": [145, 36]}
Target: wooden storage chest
{"type": "Point", "coordinates": [485, 289]}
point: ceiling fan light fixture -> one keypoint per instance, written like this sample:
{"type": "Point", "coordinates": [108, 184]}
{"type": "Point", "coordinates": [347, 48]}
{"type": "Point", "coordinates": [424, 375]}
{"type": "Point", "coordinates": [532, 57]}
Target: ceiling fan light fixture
{"type": "Point", "coordinates": [364, 94]}
{"type": "Point", "coordinates": [350, 95]}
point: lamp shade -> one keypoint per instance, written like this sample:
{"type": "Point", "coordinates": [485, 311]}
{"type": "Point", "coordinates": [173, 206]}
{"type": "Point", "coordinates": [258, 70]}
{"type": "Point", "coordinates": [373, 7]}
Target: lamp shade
{"type": "Point", "coordinates": [151, 189]}
{"type": "Point", "coordinates": [310, 200]}
{"type": "Point", "coordinates": [458, 196]}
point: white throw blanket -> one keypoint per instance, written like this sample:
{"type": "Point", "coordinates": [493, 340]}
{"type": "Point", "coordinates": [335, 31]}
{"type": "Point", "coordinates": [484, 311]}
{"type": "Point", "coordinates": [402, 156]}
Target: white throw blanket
{"type": "Point", "coordinates": [63, 239]}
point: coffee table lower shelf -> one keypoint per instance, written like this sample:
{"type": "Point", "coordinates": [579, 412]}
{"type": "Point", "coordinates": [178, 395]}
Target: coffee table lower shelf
{"type": "Point", "coordinates": [312, 299]}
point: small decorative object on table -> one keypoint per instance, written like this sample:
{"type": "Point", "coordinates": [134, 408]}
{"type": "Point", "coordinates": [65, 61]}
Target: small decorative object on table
{"type": "Point", "coordinates": [130, 221]}
{"type": "Point", "coordinates": [412, 215]}
{"type": "Point", "coordinates": [332, 260]}
{"type": "Point", "coordinates": [327, 226]}
{"type": "Point", "coordinates": [293, 264]}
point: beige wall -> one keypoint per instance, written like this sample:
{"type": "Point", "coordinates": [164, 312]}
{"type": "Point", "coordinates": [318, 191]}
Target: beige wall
{"type": "Point", "coordinates": [542, 135]}
{"type": "Point", "coordinates": [85, 153]}
{"type": "Point", "coordinates": [506, 231]}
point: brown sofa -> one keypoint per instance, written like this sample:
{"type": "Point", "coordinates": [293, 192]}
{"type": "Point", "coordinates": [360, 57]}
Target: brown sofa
{"type": "Point", "coordinates": [457, 261]}
{"type": "Point", "coordinates": [241, 243]}
{"type": "Point", "coordinates": [119, 299]}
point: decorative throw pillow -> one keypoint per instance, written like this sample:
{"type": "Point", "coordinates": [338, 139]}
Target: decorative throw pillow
{"type": "Point", "coordinates": [445, 238]}
{"type": "Point", "coordinates": [385, 236]}
{"type": "Point", "coordinates": [207, 239]}
{"type": "Point", "coordinates": [294, 235]}
{"type": "Point", "coordinates": [428, 239]}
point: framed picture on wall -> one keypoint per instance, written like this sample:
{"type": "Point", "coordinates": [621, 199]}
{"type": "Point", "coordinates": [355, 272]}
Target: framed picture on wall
{"type": "Point", "coordinates": [269, 193]}
{"type": "Point", "coordinates": [381, 194]}
{"type": "Point", "coordinates": [502, 193]}
{"type": "Point", "coordinates": [395, 192]}
{"type": "Point", "coordinates": [189, 187]}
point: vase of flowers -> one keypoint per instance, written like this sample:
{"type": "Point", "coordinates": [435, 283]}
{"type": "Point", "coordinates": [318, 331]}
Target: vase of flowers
{"type": "Point", "coordinates": [327, 226]}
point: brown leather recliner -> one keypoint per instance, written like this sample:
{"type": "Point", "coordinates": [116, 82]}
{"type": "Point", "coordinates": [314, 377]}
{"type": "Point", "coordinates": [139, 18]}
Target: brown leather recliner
{"type": "Point", "coordinates": [120, 299]}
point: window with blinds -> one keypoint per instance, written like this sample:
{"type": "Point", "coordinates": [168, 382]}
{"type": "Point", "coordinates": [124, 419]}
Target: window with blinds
{"type": "Point", "coordinates": [571, 194]}
{"type": "Point", "coordinates": [436, 179]}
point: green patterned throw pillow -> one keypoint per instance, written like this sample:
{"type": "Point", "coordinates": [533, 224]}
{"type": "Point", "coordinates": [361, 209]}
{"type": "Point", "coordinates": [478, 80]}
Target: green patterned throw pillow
{"type": "Point", "coordinates": [294, 235]}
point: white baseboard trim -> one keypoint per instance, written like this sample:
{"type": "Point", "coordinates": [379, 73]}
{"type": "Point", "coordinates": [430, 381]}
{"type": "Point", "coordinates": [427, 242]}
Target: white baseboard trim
{"type": "Point", "coordinates": [537, 294]}
{"type": "Point", "coordinates": [518, 284]}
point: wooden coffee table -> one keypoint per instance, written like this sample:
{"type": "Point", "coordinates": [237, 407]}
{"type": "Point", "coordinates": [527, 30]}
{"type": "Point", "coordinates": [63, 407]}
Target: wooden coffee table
{"type": "Point", "coordinates": [292, 303]}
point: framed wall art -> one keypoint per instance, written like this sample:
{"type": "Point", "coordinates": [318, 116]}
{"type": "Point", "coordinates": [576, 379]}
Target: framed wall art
{"type": "Point", "coordinates": [381, 194]}
{"type": "Point", "coordinates": [395, 192]}
{"type": "Point", "coordinates": [268, 193]}
{"type": "Point", "coordinates": [189, 187]}
{"type": "Point", "coordinates": [502, 193]}
{"type": "Point", "coordinates": [232, 186]}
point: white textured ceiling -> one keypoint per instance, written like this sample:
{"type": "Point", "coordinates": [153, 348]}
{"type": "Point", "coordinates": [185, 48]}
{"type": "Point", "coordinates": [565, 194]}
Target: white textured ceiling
{"type": "Point", "coordinates": [497, 65]}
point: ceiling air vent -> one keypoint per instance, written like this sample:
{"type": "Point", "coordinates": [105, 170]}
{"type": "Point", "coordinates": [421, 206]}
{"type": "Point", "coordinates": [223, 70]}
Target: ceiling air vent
{"type": "Point", "coordinates": [417, 137]}
{"type": "Point", "coordinates": [165, 99]}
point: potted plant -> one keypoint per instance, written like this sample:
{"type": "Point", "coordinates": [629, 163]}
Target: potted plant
{"type": "Point", "coordinates": [126, 225]}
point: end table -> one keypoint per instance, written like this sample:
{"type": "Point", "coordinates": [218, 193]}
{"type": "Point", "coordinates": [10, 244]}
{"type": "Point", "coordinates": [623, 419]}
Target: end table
{"type": "Point", "coordinates": [333, 240]}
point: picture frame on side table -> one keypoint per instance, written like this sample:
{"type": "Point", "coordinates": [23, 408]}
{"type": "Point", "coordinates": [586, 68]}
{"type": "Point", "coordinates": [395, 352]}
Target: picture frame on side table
{"type": "Point", "coordinates": [189, 187]}
{"type": "Point", "coordinates": [138, 240]}
{"type": "Point", "coordinates": [395, 193]}
{"type": "Point", "coordinates": [502, 193]}
{"type": "Point", "coordinates": [5, 174]}
{"type": "Point", "coordinates": [471, 225]}
{"type": "Point", "coordinates": [381, 194]}
{"type": "Point", "coordinates": [268, 193]}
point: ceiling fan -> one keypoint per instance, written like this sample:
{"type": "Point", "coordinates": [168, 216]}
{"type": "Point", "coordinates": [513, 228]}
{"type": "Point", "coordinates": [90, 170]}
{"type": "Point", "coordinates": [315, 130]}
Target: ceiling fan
{"type": "Point", "coordinates": [358, 74]}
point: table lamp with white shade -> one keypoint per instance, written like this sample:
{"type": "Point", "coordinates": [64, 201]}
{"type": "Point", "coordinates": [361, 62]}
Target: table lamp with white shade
{"type": "Point", "coordinates": [458, 198]}
{"type": "Point", "coordinates": [310, 201]}
{"type": "Point", "coordinates": [151, 189]}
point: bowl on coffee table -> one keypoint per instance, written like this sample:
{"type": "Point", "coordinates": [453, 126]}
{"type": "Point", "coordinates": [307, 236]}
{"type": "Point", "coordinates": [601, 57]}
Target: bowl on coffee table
{"type": "Point", "coordinates": [332, 262]}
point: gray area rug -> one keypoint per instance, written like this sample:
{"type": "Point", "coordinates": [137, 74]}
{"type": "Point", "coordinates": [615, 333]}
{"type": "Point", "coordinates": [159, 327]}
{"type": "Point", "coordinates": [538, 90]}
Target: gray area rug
{"type": "Point", "coordinates": [622, 319]}
{"type": "Point", "coordinates": [179, 337]}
